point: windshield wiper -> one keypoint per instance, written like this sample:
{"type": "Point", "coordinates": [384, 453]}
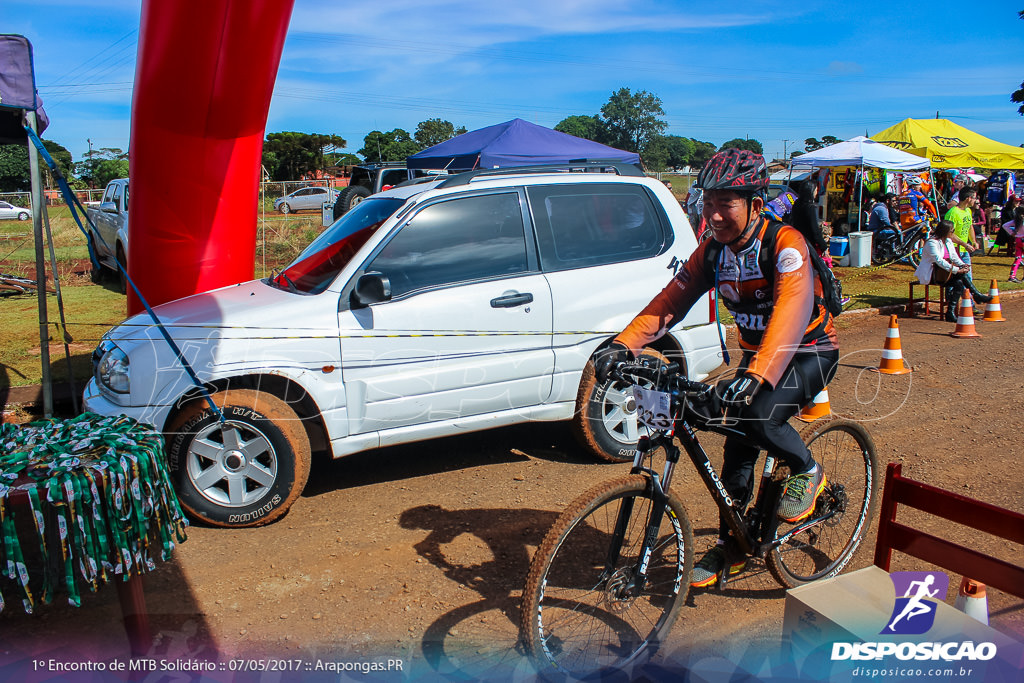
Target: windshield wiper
{"type": "Point", "coordinates": [288, 280]}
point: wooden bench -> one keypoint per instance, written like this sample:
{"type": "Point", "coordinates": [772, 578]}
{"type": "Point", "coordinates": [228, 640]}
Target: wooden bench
{"type": "Point", "coordinates": [911, 310]}
{"type": "Point", "coordinates": [999, 522]}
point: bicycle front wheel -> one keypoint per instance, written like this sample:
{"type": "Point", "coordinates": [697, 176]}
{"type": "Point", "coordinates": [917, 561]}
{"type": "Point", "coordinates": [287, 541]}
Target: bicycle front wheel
{"type": "Point", "coordinates": [846, 452]}
{"type": "Point", "coordinates": [582, 612]}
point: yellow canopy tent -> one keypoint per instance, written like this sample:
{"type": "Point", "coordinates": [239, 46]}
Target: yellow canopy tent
{"type": "Point", "coordinates": [950, 145]}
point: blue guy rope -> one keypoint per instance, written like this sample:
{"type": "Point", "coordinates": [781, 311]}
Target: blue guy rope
{"type": "Point", "coordinates": [73, 201]}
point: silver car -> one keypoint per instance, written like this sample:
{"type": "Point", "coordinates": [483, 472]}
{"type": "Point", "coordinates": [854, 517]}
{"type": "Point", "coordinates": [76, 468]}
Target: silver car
{"type": "Point", "coordinates": [306, 198]}
{"type": "Point", "coordinates": [8, 210]}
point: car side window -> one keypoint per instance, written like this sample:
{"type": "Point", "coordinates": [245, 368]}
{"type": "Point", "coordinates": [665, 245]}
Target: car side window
{"type": "Point", "coordinates": [394, 176]}
{"type": "Point", "coordinates": [458, 240]}
{"type": "Point", "coordinates": [594, 224]}
{"type": "Point", "coordinates": [117, 197]}
{"type": "Point", "coordinates": [108, 196]}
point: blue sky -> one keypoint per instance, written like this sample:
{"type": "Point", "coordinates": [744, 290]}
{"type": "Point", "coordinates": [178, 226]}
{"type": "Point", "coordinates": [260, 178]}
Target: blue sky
{"type": "Point", "coordinates": [776, 72]}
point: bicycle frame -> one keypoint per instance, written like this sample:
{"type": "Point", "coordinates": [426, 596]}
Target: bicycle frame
{"type": "Point", "coordinates": [754, 530]}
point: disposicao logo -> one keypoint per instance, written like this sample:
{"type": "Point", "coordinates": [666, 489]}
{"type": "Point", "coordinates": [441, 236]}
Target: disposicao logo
{"type": "Point", "coordinates": [914, 612]}
{"type": "Point", "coordinates": [917, 594]}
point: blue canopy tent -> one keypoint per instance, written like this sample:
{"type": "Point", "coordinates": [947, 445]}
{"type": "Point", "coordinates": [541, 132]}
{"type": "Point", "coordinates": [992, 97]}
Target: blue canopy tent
{"type": "Point", "coordinates": [514, 143]}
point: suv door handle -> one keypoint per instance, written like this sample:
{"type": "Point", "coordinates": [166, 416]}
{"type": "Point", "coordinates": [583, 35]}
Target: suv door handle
{"type": "Point", "coordinates": [511, 300]}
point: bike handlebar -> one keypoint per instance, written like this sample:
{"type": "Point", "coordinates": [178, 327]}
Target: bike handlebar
{"type": "Point", "coordinates": [663, 377]}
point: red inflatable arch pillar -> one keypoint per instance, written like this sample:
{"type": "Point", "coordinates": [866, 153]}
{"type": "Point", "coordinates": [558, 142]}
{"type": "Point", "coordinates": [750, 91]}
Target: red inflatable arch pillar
{"type": "Point", "coordinates": [203, 82]}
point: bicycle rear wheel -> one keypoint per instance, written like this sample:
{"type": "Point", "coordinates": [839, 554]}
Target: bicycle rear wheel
{"type": "Point", "coordinates": [579, 615]}
{"type": "Point", "coordinates": [846, 452]}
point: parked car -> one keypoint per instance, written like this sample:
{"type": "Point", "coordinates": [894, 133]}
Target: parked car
{"type": "Point", "coordinates": [110, 237]}
{"type": "Point", "coordinates": [430, 309]}
{"type": "Point", "coordinates": [306, 198]}
{"type": "Point", "coordinates": [8, 210]}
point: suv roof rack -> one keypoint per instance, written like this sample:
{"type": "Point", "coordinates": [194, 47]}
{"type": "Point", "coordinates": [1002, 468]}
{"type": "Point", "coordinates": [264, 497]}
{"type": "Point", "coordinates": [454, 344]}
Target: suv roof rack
{"type": "Point", "coordinates": [575, 166]}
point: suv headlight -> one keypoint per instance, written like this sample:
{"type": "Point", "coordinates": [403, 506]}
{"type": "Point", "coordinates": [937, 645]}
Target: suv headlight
{"type": "Point", "coordinates": [112, 371]}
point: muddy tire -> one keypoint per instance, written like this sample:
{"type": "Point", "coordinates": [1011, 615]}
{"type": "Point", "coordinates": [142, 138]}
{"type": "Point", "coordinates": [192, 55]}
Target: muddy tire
{"type": "Point", "coordinates": [245, 472]}
{"type": "Point", "coordinates": [605, 422]}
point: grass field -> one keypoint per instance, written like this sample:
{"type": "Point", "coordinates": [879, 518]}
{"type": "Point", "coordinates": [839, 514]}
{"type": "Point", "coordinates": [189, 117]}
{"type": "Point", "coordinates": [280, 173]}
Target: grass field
{"type": "Point", "coordinates": [92, 309]}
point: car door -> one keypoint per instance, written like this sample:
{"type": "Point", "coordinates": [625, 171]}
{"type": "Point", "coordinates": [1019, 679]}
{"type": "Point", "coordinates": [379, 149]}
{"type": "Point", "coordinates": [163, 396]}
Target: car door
{"type": "Point", "coordinates": [300, 199]}
{"type": "Point", "coordinates": [106, 221]}
{"type": "Point", "coordinates": [468, 328]}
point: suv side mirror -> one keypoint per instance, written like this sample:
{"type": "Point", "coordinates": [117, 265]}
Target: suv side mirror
{"type": "Point", "coordinates": [108, 207]}
{"type": "Point", "coordinates": [371, 288]}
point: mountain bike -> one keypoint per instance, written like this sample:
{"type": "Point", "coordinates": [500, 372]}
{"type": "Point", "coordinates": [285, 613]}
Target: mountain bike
{"type": "Point", "coordinates": [896, 246]}
{"type": "Point", "coordinates": [609, 578]}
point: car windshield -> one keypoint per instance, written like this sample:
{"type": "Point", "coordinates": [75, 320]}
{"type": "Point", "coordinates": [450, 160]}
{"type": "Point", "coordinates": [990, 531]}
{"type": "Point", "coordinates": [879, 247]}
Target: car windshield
{"type": "Point", "coordinates": [320, 262]}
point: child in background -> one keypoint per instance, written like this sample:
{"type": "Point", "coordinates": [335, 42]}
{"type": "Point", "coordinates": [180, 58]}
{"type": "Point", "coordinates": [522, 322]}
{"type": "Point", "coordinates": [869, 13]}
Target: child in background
{"type": "Point", "coordinates": [1016, 228]}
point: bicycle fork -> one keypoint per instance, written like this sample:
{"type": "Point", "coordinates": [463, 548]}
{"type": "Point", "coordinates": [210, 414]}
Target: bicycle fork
{"type": "Point", "coordinates": [659, 502]}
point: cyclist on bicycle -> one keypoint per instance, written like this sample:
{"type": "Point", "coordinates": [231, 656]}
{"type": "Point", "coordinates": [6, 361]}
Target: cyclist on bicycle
{"type": "Point", "coordinates": [789, 343]}
{"type": "Point", "coordinates": [914, 206]}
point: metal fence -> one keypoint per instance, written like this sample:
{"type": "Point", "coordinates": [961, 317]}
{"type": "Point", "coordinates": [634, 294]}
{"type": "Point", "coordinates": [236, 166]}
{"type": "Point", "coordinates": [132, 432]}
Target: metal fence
{"type": "Point", "coordinates": [271, 190]}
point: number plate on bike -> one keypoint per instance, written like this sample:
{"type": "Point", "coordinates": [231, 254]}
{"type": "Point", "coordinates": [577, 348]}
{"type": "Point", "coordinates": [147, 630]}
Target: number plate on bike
{"type": "Point", "coordinates": [652, 408]}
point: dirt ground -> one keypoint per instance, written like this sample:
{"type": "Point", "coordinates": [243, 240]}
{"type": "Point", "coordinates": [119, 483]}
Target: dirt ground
{"type": "Point", "coordinates": [419, 553]}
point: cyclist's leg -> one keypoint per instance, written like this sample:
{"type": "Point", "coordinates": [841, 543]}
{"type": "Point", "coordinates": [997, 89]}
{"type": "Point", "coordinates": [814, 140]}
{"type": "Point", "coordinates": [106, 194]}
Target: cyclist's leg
{"type": "Point", "coordinates": [766, 419]}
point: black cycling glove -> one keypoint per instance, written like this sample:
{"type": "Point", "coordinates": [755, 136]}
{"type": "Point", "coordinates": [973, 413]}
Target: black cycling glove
{"type": "Point", "coordinates": [740, 391]}
{"type": "Point", "coordinates": [607, 358]}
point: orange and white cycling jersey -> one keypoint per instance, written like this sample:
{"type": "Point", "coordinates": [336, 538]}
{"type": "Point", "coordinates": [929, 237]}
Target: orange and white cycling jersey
{"type": "Point", "coordinates": [777, 314]}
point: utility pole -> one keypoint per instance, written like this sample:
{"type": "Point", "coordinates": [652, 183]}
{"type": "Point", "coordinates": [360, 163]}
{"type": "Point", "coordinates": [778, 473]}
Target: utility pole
{"type": "Point", "coordinates": [92, 164]}
{"type": "Point", "coordinates": [785, 146]}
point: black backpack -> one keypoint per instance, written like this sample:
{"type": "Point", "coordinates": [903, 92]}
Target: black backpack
{"type": "Point", "coordinates": [831, 288]}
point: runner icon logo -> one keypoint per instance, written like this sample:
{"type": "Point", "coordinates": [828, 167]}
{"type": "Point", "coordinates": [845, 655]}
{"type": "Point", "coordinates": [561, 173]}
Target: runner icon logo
{"type": "Point", "coordinates": [916, 596]}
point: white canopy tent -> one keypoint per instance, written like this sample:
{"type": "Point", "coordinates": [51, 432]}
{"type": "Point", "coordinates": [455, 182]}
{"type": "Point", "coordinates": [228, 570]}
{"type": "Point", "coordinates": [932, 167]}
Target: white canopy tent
{"type": "Point", "coordinates": [861, 152]}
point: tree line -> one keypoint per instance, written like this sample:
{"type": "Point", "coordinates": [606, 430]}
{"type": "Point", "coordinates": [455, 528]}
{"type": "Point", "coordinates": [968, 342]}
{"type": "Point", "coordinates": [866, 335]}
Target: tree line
{"type": "Point", "coordinates": [291, 155]}
{"type": "Point", "coordinates": [97, 168]}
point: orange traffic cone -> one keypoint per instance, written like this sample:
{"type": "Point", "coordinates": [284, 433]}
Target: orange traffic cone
{"type": "Point", "coordinates": [993, 313]}
{"type": "Point", "coordinates": [965, 317]}
{"type": "Point", "coordinates": [892, 352]}
{"type": "Point", "coordinates": [818, 407]}
{"type": "Point", "coordinates": [972, 600]}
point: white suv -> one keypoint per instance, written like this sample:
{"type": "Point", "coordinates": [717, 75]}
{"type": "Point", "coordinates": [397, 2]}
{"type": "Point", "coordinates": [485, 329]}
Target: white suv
{"type": "Point", "coordinates": [431, 309]}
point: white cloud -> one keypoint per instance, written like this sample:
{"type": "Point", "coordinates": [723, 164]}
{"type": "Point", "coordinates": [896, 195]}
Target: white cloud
{"type": "Point", "coordinates": [469, 24]}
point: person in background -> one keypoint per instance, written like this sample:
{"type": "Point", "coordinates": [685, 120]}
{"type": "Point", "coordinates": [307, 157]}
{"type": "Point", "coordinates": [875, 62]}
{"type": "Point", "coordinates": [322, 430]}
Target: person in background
{"type": "Point", "coordinates": [963, 224]}
{"type": "Point", "coordinates": [959, 183]}
{"type": "Point", "coordinates": [1016, 230]}
{"type": "Point", "coordinates": [940, 265]}
{"type": "Point", "coordinates": [879, 219]}
{"type": "Point", "coordinates": [979, 212]}
{"type": "Point", "coordinates": [695, 209]}
{"type": "Point", "coordinates": [914, 207]}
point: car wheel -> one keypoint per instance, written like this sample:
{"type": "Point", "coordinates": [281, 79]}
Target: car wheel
{"type": "Point", "coordinates": [284, 208]}
{"type": "Point", "coordinates": [244, 472]}
{"type": "Point", "coordinates": [606, 422]}
{"type": "Point", "coordinates": [23, 216]}
{"type": "Point", "coordinates": [122, 278]}
{"type": "Point", "coordinates": [97, 274]}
